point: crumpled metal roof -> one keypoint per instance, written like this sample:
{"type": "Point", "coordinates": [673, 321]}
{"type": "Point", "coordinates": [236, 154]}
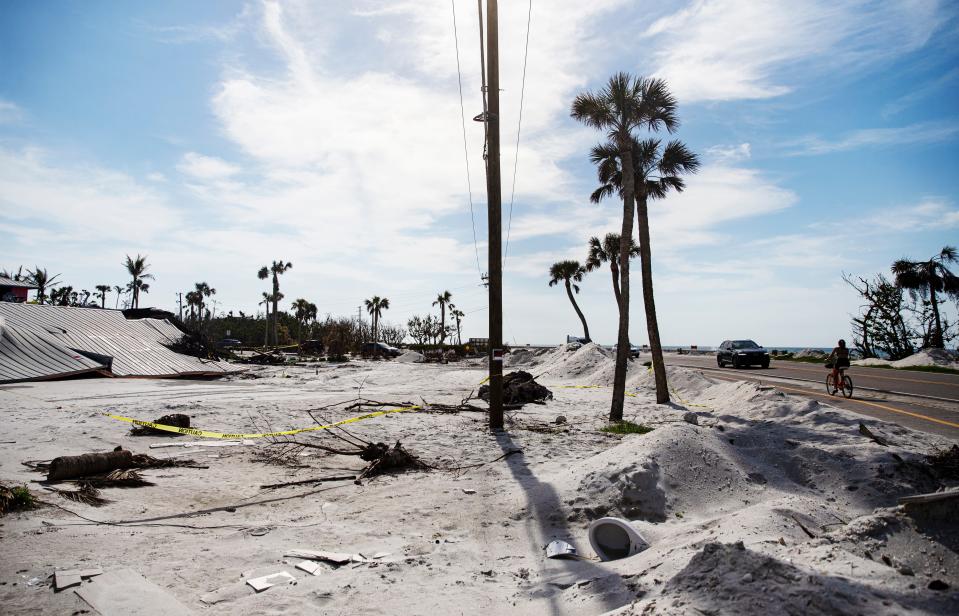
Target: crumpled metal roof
{"type": "Point", "coordinates": [10, 282]}
{"type": "Point", "coordinates": [127, 347]}
{"type": "Point", "coordinates": [24, 356]}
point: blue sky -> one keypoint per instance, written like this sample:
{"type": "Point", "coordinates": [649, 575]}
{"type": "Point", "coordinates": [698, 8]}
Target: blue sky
{"type": "Point", "coordinates": [217, 136]}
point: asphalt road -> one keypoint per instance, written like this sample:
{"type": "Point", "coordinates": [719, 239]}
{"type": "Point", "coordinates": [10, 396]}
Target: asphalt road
{"type": "Point", "coordinates": [925, 401]}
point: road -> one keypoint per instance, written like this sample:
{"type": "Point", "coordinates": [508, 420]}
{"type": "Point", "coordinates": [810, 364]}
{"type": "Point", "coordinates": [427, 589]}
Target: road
{"type": "Point", "coordinates": [924, 401]}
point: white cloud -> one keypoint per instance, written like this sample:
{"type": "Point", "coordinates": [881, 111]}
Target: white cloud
{"type": "Point", "coordinates": [80, 203]}
{"type": "Point", "coordinates": [929, 132]}
{"type": "Point", "coordinates": [743, 49]}
{"type": "Point", "coordinates": [206, 167]}
{"type": "Point", "coordinates": [10, 113]}
{"type": "Point", "coordinates": [930, 213]}
{"type": "Point", "coordinates": [729, 153]}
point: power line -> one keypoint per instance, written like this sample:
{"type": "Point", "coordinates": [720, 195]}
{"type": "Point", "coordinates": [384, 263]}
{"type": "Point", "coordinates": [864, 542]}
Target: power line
{"type": "Point", "coordinates": [466, 154]}
{"type": "Point", "coordinates": [519, 128]}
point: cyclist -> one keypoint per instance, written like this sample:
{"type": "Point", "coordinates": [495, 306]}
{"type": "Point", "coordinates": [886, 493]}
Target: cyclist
{"type": "Point", "coordinates": [837, 360]}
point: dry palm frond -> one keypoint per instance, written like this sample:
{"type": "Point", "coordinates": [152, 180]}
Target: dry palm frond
{"type": "Point", "coordinates": [127, 478]}
{"type": "Point", "coordinates": [85, 494]}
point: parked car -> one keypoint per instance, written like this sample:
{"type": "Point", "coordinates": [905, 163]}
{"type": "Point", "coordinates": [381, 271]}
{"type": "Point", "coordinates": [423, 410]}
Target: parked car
{"type": "Point", "coordinates": [369, 349]}
{"type": "Point", "coordinates": [633, 350]}
{"type": "Point", "coordinates": [741, 353]}
{"type": "Point", "coordinates": [229, 342]}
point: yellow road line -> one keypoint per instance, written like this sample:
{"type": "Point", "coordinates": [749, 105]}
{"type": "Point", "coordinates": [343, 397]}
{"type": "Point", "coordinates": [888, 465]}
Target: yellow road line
{"type": "Point", "coordinates": [875, 404]}
{"type": "Point", "coordinates": [873, 376]}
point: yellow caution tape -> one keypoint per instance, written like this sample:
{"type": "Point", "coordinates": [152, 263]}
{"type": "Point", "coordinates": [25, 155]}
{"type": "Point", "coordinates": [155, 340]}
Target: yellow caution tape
{"type": "Point", "coordinates": [209, 434]}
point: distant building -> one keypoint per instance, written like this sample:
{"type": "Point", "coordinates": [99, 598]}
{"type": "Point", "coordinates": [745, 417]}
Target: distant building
{"type": "Point", "coordinates": [14, 290]}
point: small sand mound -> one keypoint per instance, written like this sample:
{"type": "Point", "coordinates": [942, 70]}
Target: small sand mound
{"type": "Point", "coordinates": [930, 357]}
{"type": "Point", "coordinates": [410, 357]}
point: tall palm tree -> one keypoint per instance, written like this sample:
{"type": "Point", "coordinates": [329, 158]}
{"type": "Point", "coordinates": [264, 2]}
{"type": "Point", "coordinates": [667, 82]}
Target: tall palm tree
{"type": "Point", "coordinates": [443, 300]}
{"type": "Point", "coordinates": [277, 269]}
{"type": "Point", "coordinates": [137, 269]}
{"type": "Point", "coordinates": [656, 171]}
{"type": "Point", "coordinates": [375, 306]}
{"type": "Point", "coordinates": [607, 251]}
{"type": "Point", "coordinates": [119, 290]}
{"type": "Point", "coordinates": [930, 279]}
{"type": "Point", "coordinates": [567, 272]}
{"type": "Point", "coordinates": [193, 300]}
{"type": "Point", "coordinates": [42, 280]}
{"type": "Point", "coordinates": [202, 290]}
{"type": "Point", "coordinates": [103, 289]}
{"type": "Point", "coordinates": [624, 105]}
{"type": "Point", "coordinates": [457, 314]}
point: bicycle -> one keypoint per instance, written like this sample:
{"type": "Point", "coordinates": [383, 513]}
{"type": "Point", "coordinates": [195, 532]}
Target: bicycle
{"type": "Point", "coordinates": [845, 383]}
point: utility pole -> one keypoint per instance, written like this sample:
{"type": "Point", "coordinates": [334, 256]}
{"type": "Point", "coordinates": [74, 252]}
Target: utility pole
{"type": "Point", "coordinates": [180, 303]}
{"type": "Point", "coordinates": [493, 191]}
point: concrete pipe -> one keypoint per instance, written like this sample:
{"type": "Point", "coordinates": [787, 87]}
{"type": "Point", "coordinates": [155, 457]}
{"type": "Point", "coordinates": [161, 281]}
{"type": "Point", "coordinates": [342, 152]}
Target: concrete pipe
{"type": "Point", "coordinates": [615, 538]}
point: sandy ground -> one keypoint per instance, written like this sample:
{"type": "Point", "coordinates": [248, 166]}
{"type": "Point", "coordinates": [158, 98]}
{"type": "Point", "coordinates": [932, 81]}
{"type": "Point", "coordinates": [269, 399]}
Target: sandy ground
{"type": "Point", "coordinates": [728, 505]}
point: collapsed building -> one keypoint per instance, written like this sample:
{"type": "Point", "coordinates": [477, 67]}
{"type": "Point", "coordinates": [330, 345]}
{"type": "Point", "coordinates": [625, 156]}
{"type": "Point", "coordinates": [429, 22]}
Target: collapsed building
{"type": "Point", "coordinates": [42, 342]}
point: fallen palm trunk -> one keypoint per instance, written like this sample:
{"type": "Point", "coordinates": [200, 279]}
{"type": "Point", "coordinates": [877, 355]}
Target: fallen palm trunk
{"type": "Point", "coordinates": [519, 388]}
{"type": "Point", "coordinates": [75, 467]}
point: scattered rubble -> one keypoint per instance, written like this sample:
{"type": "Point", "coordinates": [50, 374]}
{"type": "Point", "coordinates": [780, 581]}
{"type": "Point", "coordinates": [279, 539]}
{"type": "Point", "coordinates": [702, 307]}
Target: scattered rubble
{"type": "Point", "coordinates": [519, 388]}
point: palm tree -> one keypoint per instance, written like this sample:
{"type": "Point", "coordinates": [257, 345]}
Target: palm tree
{"type": "Point", "coordinates": [103, 289]}
{"type": "Point", "coordinates": [303, 311]}
{"type": "Point", "coordinates": [202, 289]}
{"type": "Point", "coordinates": [607, 251]}
{"type": "Point", "coordinates": [119, 291]}
{"type": "Point", "coordinates": [375, 306]}
{"type": "Point", "coordinates": [193, 300]}
{"type": "Point", "coordinates": [929, 279]}
{"type": "Point", "coordinates": [624, 105]}
{"type": "Point", "coordinates": [443, 300]}
{"type": "Point", "coordinates": [457, 314]}
{"type": "Point", "coordinates": [42, 280]}
{"type": "Point", "coordinates": [277, 269]}
{"type": "Point", "coordinates": [137, 269]}
{"type": "Point", "coordinates": [656, 170]}
{"type": "Point", "coordinates": [267, 298]}
{"type": "Point", "coordinates": [568, 271]}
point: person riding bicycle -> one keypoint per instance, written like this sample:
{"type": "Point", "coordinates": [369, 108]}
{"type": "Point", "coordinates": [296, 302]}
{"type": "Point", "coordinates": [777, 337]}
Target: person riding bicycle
{"type": "Point", "coordinates": [838, 360]}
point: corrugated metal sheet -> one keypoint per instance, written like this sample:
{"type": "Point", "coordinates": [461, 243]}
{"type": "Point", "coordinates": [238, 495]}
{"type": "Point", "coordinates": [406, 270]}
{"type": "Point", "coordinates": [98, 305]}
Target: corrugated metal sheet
{"type": "Point", "coordinates": [24, 356]}
{"type": "Point", "coordinates": [10, 282]}
{"type": "Point", "coordinates": [133, 347]}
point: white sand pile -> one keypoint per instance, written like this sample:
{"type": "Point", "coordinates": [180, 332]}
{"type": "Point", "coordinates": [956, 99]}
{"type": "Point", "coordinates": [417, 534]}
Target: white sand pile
{"type": "Point", "coordinates": [944, 358]}
{"type": "Point", "coordinates": [410, 357]}
{"type": "Point", "coordinates": [814, 353]}
{"type": "Point", "coordinates": [575, 364]}
{"type": "Point", "coordinates": [523, 357]}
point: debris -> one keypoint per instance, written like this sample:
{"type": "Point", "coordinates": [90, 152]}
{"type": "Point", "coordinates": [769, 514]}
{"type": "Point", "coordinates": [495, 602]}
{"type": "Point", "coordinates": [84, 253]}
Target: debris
{"type": "Point", "coordinates": [305, 481]}
{"type": "Point", "coordinates": [946, 462]}
{"type": "Point", "coordinates": [268, 581]}
{"type": "Point", "coordinates": [15, 498]}
{"type": "Point", "coordinates": [72, 577]}
{"type": "Point", "coordinates": [209, 443]}
{"type": "Point", "coordinates": [469, 491]}
{"type": "Point", "coordinates": [615, 538]}
{"type": "Point", "coordinates": [176, 420]}
{"type": "Point", "coordinates": [86, 494]}
{"type": "Point", "coordinates": [380, 555]}
{"type": "Point", "coordinates": [127, 593]}
{"type": "Point", "coordinates": [937, 585]}
{"type": "Point", "coordinates": [871, 436]}
{"type": "Point", "coordinates": [74, 467]}
{"type": "Point", "coordinates": [560, 549]}
{"type": "Point", "coordinates": [335, 558]}
{"type": "Point", "coordinates": [519, 388]}
{"type": "Point", "coordinates": [691, 418]}
{"type": "Point", "coordinates": [930, 498]}
{"type": "Point", "coordinates": [560, 419]}
{"type": "Point", "coordinates": [310, 567]}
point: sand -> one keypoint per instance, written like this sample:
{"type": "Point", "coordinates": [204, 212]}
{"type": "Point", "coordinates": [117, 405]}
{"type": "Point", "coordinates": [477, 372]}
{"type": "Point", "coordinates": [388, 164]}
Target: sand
{"type": "Point", "coordinates": [724, 503]}
{"type": "Point", "coordinates": [942, 358]}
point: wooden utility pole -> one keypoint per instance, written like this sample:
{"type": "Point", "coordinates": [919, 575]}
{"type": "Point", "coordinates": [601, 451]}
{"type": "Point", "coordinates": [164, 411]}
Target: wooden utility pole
{"type": "Point", "coordinates": [493, 190]}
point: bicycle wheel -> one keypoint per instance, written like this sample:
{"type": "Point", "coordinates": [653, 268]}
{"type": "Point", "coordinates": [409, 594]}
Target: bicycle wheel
{"type": "Point", "coordinates": [830, 384]}
{"type": "Point", "coordinates": [847, 386]}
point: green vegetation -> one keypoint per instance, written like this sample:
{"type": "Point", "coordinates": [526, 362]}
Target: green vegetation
{"type": "Point", "coordinates": [17, 498]}
{"type": "Point", "coordinates": [625, 427]}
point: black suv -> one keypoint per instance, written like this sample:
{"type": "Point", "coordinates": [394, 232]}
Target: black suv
{"type": "Point", "coordinates": [741, 353]}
